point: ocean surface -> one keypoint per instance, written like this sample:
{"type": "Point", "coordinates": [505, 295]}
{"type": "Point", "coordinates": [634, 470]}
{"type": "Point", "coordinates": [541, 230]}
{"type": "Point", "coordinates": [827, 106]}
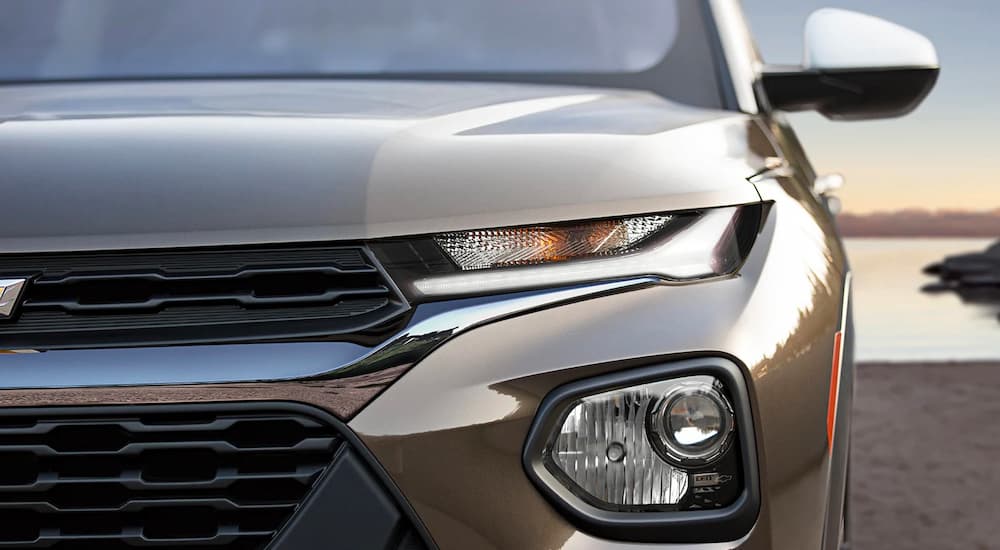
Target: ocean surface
{"type": "Point", "coordinates": [894, 321]}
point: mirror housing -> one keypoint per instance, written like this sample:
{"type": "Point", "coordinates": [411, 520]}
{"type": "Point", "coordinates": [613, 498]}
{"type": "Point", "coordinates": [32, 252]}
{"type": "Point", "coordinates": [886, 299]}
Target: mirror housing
{"type": "Point", "coordinates": [855, 67]}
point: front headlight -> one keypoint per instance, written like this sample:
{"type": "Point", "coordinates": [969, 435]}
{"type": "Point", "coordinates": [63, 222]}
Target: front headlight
{"type": "Point", "coordinates": [676, 247]}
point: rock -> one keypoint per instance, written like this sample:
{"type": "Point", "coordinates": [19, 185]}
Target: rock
{"type": "Point", "coordinates": [974, 277]}
{"type": "Point", "coordinates": [934, 288]}
{"type": "Point", "coordinates": [934, 269]}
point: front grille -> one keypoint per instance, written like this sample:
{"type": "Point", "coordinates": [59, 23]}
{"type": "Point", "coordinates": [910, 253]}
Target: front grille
{"type": "Point", "coordinates": [190, 296]}
{"type": "Point", "coordinates": [209, 476]}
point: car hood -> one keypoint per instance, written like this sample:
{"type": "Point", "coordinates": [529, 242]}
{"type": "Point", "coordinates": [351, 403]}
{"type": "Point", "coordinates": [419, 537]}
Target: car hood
{"type": "Point", "coordinates": [162, 164]}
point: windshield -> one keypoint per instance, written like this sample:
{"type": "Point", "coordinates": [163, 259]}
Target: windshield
{"type": "Point", "coordinates": [107, 39]}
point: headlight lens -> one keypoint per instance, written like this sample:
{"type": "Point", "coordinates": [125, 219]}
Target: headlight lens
{"type": "Point", "coordinates": [676, 247]}
{"type": "Point", "coordinates": [492, 248]}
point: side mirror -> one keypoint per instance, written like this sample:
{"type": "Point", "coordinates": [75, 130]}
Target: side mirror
{"type": "Point", "coordinates": [856, 67]}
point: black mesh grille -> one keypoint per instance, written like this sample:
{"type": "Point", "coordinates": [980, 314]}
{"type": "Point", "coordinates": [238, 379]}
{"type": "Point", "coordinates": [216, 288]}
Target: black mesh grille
{"type": "Point", "coordinates": [187, 296]}
{"type": "Point", "coordinates": [175, 477]}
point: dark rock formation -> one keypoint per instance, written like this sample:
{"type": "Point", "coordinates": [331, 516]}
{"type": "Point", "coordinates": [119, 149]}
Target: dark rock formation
{"type": "Point", "coordinates": [974, 277]}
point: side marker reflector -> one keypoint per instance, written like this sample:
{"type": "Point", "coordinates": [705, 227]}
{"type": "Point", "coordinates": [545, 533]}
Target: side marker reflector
{"type": "Point", "coordinates": [831, 409]}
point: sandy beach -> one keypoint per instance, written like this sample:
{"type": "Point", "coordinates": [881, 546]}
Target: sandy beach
{"type": "Point", "coordinates": [926, 456]}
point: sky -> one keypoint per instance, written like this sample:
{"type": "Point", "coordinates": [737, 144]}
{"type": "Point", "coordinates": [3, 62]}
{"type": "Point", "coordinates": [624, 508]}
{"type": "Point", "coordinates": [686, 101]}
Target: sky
{"type": "Point", "coordinates": [941, 157]}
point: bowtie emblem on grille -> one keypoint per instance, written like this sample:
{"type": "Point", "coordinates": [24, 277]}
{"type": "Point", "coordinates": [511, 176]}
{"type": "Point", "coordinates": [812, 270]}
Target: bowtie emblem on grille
{"type": "Point", "coordinates": [10, 293]}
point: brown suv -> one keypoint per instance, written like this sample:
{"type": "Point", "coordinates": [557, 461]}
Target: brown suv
{"type": "Point", "coordinates": [443, 274]}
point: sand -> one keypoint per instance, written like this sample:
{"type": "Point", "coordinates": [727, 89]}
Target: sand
{"type": "Point", "coordinates": [926, 457]}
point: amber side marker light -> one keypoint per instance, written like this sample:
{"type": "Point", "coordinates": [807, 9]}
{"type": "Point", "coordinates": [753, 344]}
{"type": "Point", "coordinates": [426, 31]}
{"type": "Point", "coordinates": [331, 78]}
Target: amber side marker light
{"type": "Point", "coordinates": [837, 368]}
{"type": "Point", "coordinates": [831, 408]}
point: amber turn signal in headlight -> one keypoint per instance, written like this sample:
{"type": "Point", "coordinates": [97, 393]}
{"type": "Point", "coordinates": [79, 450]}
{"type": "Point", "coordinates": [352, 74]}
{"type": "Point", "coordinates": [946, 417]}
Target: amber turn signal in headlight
{"type": "Point", "coordinates": [491, 248]}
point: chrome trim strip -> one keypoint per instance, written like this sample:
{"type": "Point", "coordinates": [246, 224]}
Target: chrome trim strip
{"type": "Point", "coordinates": [431, 325]}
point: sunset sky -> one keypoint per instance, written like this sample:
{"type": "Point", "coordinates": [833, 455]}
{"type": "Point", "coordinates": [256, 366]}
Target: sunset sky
{"type": "Point", "coordinates": [944, 155]}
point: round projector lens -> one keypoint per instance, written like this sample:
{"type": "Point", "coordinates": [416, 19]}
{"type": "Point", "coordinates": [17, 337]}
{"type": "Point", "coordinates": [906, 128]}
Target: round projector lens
{"type": "Point", "coordinates": [694, 421]}
{"type": "Point", "coordinates": [694, 425]}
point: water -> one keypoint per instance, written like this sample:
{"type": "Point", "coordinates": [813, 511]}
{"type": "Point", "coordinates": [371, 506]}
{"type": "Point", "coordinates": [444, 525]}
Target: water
{"type": "Point", "coordinates": [894, 321]}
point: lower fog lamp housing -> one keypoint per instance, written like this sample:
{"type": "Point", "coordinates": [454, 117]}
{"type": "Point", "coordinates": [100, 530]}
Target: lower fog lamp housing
{"type": "Point", "coordinates": [631, 457]}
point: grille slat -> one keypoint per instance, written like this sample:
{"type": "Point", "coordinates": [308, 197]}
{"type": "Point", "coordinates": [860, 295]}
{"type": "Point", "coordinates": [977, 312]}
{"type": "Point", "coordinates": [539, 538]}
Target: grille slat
{"type": "Point", "coordinates": [138, 505]}
{"type": "Point", "coordinates": [197, 295]}
{"type": "Point", "coordinates": [133, 449]}
{"type": "Point", "coordinates": [160, 276]}
{"type": "Point", "coordinates": [187, 317]}
{"type": "Point", "coordinates": [219, 479]}
{"type": "Point", "coordinates": [242, 298]}
{"type": "Point", "coordinates": [152, 424]}
{"type": "Point", "coordinates": [344, 257]}
{"type": "Point", "coordinates": [132, 538]}
{"type": "Point", "coordinates": [134, 481]}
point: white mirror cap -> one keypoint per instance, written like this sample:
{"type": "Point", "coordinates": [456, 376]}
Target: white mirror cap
{"type": "Point", "coordinates": [842, 39]}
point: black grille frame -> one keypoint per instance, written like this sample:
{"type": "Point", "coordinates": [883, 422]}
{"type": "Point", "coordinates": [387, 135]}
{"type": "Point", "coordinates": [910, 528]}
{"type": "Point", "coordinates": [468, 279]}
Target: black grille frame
{"type": "Point", "coordinates": [201, 295]}
{"type": "Point", "coordinates": [122, 498]}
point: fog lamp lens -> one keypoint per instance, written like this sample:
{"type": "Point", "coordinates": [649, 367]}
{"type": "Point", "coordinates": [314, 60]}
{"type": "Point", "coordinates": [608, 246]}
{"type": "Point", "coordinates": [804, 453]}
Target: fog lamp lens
{"type": "Point", "coordinates": [632, 448]}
